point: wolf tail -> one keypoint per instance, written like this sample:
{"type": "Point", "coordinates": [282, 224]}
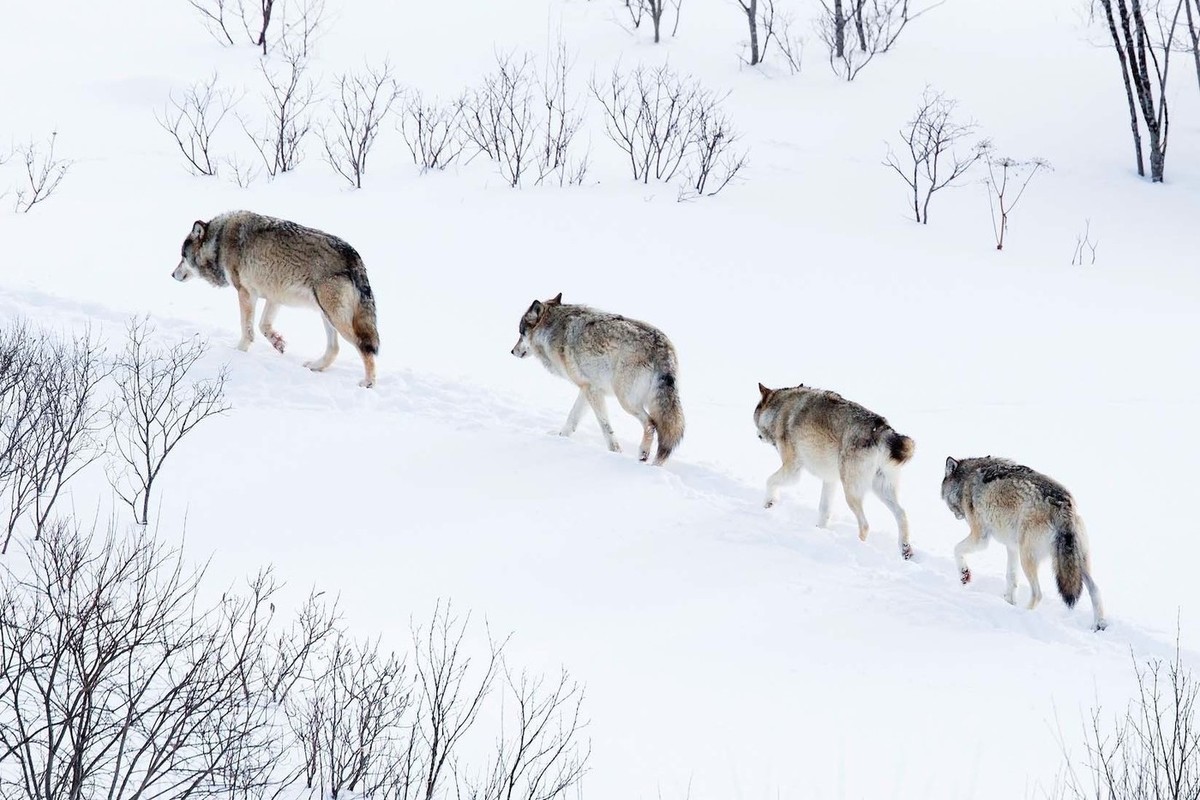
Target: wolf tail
{"type": "Point", "coordinates": [1068, 561]}
{"type": "Point", "coordinates": [666, 413]}
{"type": "Point", "coordinates": [363, 320]}
{"type": "Point", "coordinates": [900, 447]}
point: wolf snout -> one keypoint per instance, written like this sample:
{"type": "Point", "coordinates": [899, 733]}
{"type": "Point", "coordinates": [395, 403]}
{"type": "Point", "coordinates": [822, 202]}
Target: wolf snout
{"type": "Point", "coordinates": [519, 351]}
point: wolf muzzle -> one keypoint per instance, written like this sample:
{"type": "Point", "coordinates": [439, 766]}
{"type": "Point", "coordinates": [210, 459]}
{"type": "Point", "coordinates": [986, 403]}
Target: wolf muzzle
{"type": "Point", "coordinates": [182, 272]}
{"type": "Point", "coordinates": [519, 349]}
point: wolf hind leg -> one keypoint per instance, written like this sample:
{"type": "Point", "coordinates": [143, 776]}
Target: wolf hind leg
{"type": "Point", "coordinates": [331, 347]}
{"type": "Point", "coordinates": [854, 486]}
{"type": "Point", "coordinates": [595, 398]}
{"type": "Point", "coordinates": [1029, 563]}
{"type": "Point", "coordinates": [1099, 622]}
{"type": "Point", "coordinates": [885, 489]}
{"type": "Point", "coordinates": [266, 324]}
{"type": "Point", "coordinates": [635, 409]}
{"type": "Point", "coordinates": [823, 509]}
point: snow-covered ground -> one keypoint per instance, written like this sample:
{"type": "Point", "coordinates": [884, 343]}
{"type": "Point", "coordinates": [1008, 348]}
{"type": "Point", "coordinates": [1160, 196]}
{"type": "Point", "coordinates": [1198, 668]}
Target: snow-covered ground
{"type": "Point", "coordinates": [728, 651]}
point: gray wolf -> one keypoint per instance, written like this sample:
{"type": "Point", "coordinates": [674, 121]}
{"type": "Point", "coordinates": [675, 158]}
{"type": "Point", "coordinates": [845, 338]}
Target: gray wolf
{"type": "Point", "coordinates": [836, 440]}
{"type": "Point", "coordinates": [287, 265]}
{"type": "Point", "coordinates": [1030, 514]}
{"type": "Point", "coordinates": [607, 354]}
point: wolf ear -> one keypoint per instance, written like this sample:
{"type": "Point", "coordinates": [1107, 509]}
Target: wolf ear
{"type": "Point", "coordinates": [951, 465]}
{"type": "Point", "coordinates": [535, 310]}
{"type": "Point", "coordinates": [764, 391]}
{"type": "Point", "coordinates": [199, 228]}
{"type": "Point", "coordinates": [556, 300]}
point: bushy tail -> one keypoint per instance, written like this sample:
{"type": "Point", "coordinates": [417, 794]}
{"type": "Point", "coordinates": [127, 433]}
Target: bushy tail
{"type": "Point", "coordinates": [363, 320]}
{"type": "Point", "coordinates": [900, 447]}
{"type": "Point", "coordinates": [666, 414]}
{"type": "Point", "coordinates": [1068, 562]}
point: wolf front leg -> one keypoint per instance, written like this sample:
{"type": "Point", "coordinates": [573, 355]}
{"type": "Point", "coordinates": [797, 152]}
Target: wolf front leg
{"type": "Point", "coordinates": [1010, 577]}
{"type": "Point", "coordinates": [788, 472]}
{"type": "Point", "coordinates": [246, 303]}
{"type": "Point", "coordinates": [974, 542]}
{"type": "Point", "coordinates": [581, 402]}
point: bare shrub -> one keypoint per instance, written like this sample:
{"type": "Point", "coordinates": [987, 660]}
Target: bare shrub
{"type": "Point", "coordinates": [431, 131]}
{"type": "Point", "coordinates": [118, 682]}
{"type": "Point", "coordinates": [1151, 749]}
{"type": "Point", "coordinates": [51, 415]}
{"type": "Point", "coordinates": [364, 100]}
{"type": "Point", "coordinates": [44, 171]}
{"type": "Point", "coordinates": [1003, 197]}
{"type": "Point", "coordinates": [192, 120]}
{"type": "Point", "coordinates": [289, 100]}
{"type": "Point", "coordinates": [218, 16]}
{"type": "Point", "coordinates": [555, 156]}
{"type": "Point", "coordinates": [301, 25]}
{"type": "Point", "coordinates": [158, 402]}
{"type": "Point", "coordinates": [300, 22]}
{"type": "Point", "coordinates": [663, 123]}
{"type": "Point", "coordinates": [1085, 246]}
{"type": "Point", "coordinates": [1145, 54]}
{"type": "Point", "coordinates": [932, 160]}
{"type": "Point", "coordinates": [498, 117]}
{"type": "Point", "coordinates": [855, 31]}
{"type": "Point", "coordinates": [243, 173]}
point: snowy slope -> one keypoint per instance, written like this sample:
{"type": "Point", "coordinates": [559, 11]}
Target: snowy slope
{"type": "Point", "coordinates": [728, 651]}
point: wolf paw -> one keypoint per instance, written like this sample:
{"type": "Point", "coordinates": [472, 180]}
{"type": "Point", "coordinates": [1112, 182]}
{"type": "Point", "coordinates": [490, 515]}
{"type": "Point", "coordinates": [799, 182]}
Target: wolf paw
{"type": "Point", "coordinates": [276, 341]}
{"type": "Point", "coordinates": [769, 502]}
{"type": "Point", "coordinates": [365, 383]}
{"type": "Point", "coordinates": [316, 365]}
{"type": "Point", "coordinates": [244, 345]}
{"type": "Point", "coordinates": [965, 576]}
{"type": "Point", "coordinates": [1101, 625]}
{"type": "Point", "coordinates": [644, 455]}
{"type": "Point", "coordinates": [906, 551]}
{"type": "Point", "coordinates": [614, 448]}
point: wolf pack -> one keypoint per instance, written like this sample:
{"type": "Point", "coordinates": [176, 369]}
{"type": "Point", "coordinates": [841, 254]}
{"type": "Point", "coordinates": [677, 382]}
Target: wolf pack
{"type": "Point", "coordinates": [603, 354]}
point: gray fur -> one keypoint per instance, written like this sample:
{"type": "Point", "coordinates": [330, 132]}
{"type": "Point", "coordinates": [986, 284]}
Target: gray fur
{"type": "Point", "coordinates": [286, 264]}
{"type": "Point", "coordinates": [1032, 515]}
{"type": "Point", "coordinates": [607, 354]}
{"type": "Point", "coordinates": [838, 441]}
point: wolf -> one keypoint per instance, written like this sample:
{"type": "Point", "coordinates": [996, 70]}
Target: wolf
{"type": "Point", "coordinates": [836, 440]}
{"type": "Point", "coordinates": [607, 354]}
{"type": "Point", "coordinates": [287, 265]}
{"type": "Point", "coordinates": [1030, 514]}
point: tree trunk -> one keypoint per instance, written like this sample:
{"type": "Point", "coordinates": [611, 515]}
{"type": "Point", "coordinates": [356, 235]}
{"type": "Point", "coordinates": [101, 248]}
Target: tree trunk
{"type": "Point", "coordinates": [752, 18]}
{"type": "Point", "coordinates": [1194, 33]}
{"type": "Point", "coordinates": [839, 30]}
{"type": "Point", "coordinates": [656, 12]}
{"type": "Point", "coordinates": [1125, 73]}
{"type": "Point", "coordinates": [858, 24]}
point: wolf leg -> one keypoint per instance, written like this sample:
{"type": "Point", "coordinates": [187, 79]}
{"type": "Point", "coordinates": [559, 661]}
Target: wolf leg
{"type": "Point", "coordinates": [1094, 594]}
{"type": "Point", "coordinates": [576, 414]}
{"type": "Point", "coordinates": [635, 410]}
{"type": "Point", "coordinates": [600, 408]}
{"type": "Point", "coordinates": [788, 472]}
{"type": "Point", "coordinates": [823, 511]}
{"type": "Point", "coordinates": [975, 541]}
{"type": "Point", "coordinates": [854, 486]}
{"type": "Point", "coordinates": [331, 348]}
{"type": "Point", "coordinates": [266, 324]}
{"type": "Point", "coordinates": [885, 489]}
{"type": "Point", "coordinates": [1030, 565]}
{"type": "Point", "coordinates": [1010, 575]}
{"type": "Point", "coordinates": [246, 303]}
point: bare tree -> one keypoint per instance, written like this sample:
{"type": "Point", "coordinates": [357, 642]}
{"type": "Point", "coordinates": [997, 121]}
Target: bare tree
{"type": "Point", "coordinates": [1085, 246]}
{"type": "Point", "coordinates": [1003, 198]}
{"type": "Point", "coordinates": [431, 131]}
{"type": "Point", "coordinates": [539, 755]}
{"type": "Point", "coordinates": [364, 100]}
{"type": "Point", "coordinates": [301, 24]}
{"type": "Point", "coordinates": [44, 171]}
{"type": "Point", "coordinates": [158, 402]}
{"type": "Point", "coordinates": [291, 95]}
{"type": "Point", "coordinates": [217, 16]}
{"type": "Point", "coordinates": [760, 14]}
{"type": "Point", "coordinates": [51, 415]}
{"type": "Point", "coordinates": [1192, 7]}
{"type": "Point", "coordinates": [791, 45]}
{"type": "Point", "coordinates": [932, 139]}
{"type": "Point", "coordinates": [715, 158]}
{"type": "Point", "coordinates": [192, 120]}
{"type": "Point", "coordinates": [1151, 749]}
{"type": "Point", "coordinates": [498, 117]}
{"type": "Point", "coordinates": [855, 31]}
{"type": "Point", "coordinates": [1144, 56]}
{"type": "Point", "coordinates": [257, 24]}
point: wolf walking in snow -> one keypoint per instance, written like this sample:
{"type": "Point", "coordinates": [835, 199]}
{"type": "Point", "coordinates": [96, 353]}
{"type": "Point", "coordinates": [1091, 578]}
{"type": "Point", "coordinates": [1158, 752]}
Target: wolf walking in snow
{"type": "Point", "coordinates": [836, 440]}
{"type": "Point", "coordinates": [287, 265]}
{"type": "Point", "coordinates": [1030, 514]}
{"type": "Point", "coordinates": [607, 354]}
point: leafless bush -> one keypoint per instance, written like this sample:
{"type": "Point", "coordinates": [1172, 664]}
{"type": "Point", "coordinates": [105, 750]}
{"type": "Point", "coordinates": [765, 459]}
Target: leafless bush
{"type": "Point", "coordinates": [1145, 54]}
{"type": "Point", "coordinates": [664, 123]}
{"type": "Point", "coordinates": [431, 131]}
{"type": "Point", "coordinates": [1003, 198]}
{"type": "Point", "coordinates": [364, 100]}
{"type": "Point", "coordinates": [192, 120]}
{"type": "Point", "coordinates": [539, 755]}
{"type": "Point", "coordinates": [44, 171]}
{"type": "Point", "coordinates": [932, 161]}
{"type": "Point", "coordinates": [301, 24]}
{"type": "Point", "coordinates": [1085, 246]}
{"type": "Point", "coordinates": [791, 45]}
{"type": "Point", "coordinates": [855, 31]}
{"type": "Point", "coordinates": [218, 16]}
{"type": "Point", "coordinates": [1151, 750]}
{"type": "Point", "coordinates": [118, 682]}
{"type": "Point", "coordinates": [157, 404]}
{"type": "Point", "coordinates": [51, 416]}
{"type": "Point", "coordinates": [555, 156]}
{"type": "Point", "coordinates": [243, 173]}
{"type": "Point", "coordinates": [289, 100]}
{"type": "Point", "coordinates": [498, 117]}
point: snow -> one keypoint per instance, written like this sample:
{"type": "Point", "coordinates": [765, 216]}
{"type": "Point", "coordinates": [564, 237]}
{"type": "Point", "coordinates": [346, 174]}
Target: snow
{"type": "Point", "coordinates": [728, 651]}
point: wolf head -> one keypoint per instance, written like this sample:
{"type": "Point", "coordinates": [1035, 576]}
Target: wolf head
{"type": "Point", "coordinates": [530, 321]}
{"type": "Point", "coordinates": [952, 487]}
{"type": "Point", "coordinates": [198, 257]}
{"type": "Point", "coordinates": [762, 417]}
